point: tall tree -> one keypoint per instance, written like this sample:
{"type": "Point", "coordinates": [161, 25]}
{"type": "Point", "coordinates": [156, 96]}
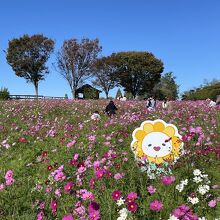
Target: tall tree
{"type": "Point", "coordinates": [167, 87]}
{"type": "Point", "coordinates": [104, 73]}
{"type": "Point", "coordinates": [28, 55]}
{"type": "Point", "coordinates": [137, 72]}
{"type": "Point", "coordinates": [75, 60]}
{"type": "Point", "coordinates": [118, 94]}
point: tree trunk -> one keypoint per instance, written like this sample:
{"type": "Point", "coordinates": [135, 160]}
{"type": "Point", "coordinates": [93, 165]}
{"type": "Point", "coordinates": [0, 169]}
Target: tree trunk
{"type": "Point", "coordinates": [74, 93]}
{"type": "Point", "coordinates": [106, 94]}
{"type": "Point", "coordinates": [36, 89]}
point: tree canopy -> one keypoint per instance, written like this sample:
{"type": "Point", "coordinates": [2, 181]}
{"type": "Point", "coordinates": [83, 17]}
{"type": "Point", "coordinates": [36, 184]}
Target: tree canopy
{"type": "Point", "coordinates": [28, 55]}
{"type": "Point", "coordinates": [104, 73]}
{"type": "Point", "coordinates": [209, 90]}
{"type": "Point", "coordinates": [137, 72]}
{"type": "Point", "coordinates": [167, 87]}
{"type": "Point", "coordinates": [75, 60]}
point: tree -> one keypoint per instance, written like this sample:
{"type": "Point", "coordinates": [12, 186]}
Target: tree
{"type": "Point", "coordinates": [167, 87]}
{"type": "Point", "coordinates": [28, 55]}
{"type": "Point", "coordinates": [75, 59]}
{"type": "Point", "coordinates": [118, 94]}
{"type": "Point", "coordinates": [210, 90]}
{"type": "Point", "coordinates": [104, 72]}
{"type": "Point", "coordinates": [137, 72]}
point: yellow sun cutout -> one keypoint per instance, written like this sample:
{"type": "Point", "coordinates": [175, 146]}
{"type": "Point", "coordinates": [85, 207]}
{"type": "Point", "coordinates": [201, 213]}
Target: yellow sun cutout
{"type": "Point", "coordinates": [157, 141]}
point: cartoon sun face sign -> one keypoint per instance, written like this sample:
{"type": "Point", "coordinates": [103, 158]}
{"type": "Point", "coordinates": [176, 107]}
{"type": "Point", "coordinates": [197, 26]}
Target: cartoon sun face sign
{"type": "Point", "coordinates": [157, 141]}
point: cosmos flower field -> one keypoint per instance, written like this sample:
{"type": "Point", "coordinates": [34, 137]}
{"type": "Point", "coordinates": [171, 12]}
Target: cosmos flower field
{"type": "Point", "coordinates": [56, 163]}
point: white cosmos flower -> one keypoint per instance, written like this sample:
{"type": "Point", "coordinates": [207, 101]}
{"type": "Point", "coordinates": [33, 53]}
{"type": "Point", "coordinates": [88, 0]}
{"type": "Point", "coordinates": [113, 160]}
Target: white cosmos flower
{"type": "Point", "coordinates": [197, 179]}
{"type": "Point", "coordinates": [197, 172]}
{"type": "Point", "coordinates": [180, 187]}
{"type": "Point", "coordinates": [120, 202]}
{"type": "Point", "coordinates": [184, 182]}
{"type": "Point", "coordinates": [172, 217]}
{"type": "Point", "coordinates": [194, 200]}
{"type": "Point", "coordinates": [203, 189]}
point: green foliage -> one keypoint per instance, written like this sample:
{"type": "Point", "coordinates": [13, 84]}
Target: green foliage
{"type": "Point", "coordinates": [167, 87]}
{"type": "Point", "coordinates": [210, 91]}
{"type": "Point", "coordinates": [104, 72]}
{"type": "Point", "coordinates": [90, 93]}
{"type": "Point", "coordinates": [137, 72]}
{"type": "Point", "coordinates": [66, 96]}
{"type": "Point", "coordinates": [4, 94]}
{"type": "Point", "coordinates": [28, 55]}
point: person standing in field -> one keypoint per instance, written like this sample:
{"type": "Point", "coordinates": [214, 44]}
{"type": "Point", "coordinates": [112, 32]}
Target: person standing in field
{"type": "Point", "coordinates": [111, 108]}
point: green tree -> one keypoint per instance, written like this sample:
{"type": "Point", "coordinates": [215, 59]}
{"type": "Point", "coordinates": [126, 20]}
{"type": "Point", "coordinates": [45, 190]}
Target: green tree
{"type": "Point", "coordinates": [104, 72]}
{"type": "Point", "coordinates": [167, 87]}
{"type": "Point", "coordinates": [209, 90]}
{"type": "Point", "coordinates": [137, 72]}
{"type": "Point", "coordinates": [75, 60]}
{"type": "Point", "coordinates": [28, 55]}
{"type": "Point", "coordinates": [4, 94]}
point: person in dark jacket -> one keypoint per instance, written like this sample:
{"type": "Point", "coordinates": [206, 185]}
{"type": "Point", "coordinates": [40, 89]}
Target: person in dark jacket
{"type": "Point", "coordinates": [111, 108]}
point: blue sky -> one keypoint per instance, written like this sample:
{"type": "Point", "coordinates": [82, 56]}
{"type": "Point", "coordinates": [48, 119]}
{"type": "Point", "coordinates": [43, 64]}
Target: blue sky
{"type": "Point", "coordinates": [184, 34]}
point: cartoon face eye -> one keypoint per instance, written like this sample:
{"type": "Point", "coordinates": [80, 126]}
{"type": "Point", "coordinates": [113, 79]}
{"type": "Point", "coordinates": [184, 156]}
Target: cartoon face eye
{"type": "Point", "coordinates": [164, 144]}
{"type": "Point", "coordinates": [149, 145]}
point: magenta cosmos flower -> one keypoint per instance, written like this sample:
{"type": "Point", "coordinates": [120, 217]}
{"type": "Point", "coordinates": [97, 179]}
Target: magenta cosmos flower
{"type": "Point", "coordinates": [94, 215]}
{"type": "Point", "coordinates": [132, 195]}
{"type": "Point", "coordinates": [116, 195]}
{"type": "Point", "coordinates": [53, 206]}
{"type": "Point", "coordinates": [132, 207]}
{"type": "Point", "coordinates": [167, 180]}
{"type": "Point", "coordinates": [68, 187]}
{"type": "Point", "coordinates": [151, 189]}
{"type": "Point", "coordinates": [156, 205]}
{"type": "Point", "coordinates": [68, 217]}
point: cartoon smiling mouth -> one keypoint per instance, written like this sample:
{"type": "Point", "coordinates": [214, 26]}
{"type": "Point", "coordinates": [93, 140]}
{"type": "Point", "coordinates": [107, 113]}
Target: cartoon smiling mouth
{"type": "Point", "coordinates": [157, 148]}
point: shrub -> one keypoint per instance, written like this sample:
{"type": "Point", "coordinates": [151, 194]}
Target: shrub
{"type": "Point", "coordinates": [4, 94]}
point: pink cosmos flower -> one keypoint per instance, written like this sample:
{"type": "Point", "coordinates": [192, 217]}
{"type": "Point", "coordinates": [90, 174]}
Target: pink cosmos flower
{"type": "Point", "coordinates": [71, 143]}
{"type": "Point", "coordinates": [132, 195]}
{"type": "Point", "coordinates": [57, 192]}
{"type": "Point", "coordinates": [119, 176]}
{"type": "Point", "coordinates": [94, 215]}
{"type": "Point", "coordinates": [151, 189]}
{"type": "Point", "coordinates": [87, 196]}
{"type": "Point", "coordinates": [116, 195]}
{"type": "Point", "coordinates": [92, 183]}
{"type": "Point", "coordinates": [68, 217]}
{"type": "Point", "coordinates": [68, 187]}
{"type": "Point", "coordinates": [53, 206]}
{"type": "Point", "coordinates": [40, 215]}
{"type": "Point", "coordinates": [79, 209]}
{"type": "Point", "coordinates": [9, 174]}
{"type": "Point", "coordinates": [93, 206]}
{"type": "Point", "coordinates": [167, 180]}
{"type": "Point", "coordinates": [9, 181]}
{"type": "Point", "coordinates": [212, 203]}
{"type": "Point", "coordinates": [2, 186]}
{"type": "Point", "coordinates": [59, 176]}
{"type": "Point", "coordinates": [132, 207]}
{"type": "Point", "coordinates": [156, 205]}
{"type": "Point", "coordinates": [99, 173]}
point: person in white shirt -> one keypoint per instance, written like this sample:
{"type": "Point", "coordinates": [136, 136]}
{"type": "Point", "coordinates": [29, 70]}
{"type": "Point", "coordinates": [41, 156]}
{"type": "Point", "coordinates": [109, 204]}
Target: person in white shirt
{"type": "Point", "coordinates": [95, 116]}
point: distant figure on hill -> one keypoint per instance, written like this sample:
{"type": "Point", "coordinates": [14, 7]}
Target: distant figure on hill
{"type": "Point", "coordinates": [212, 103]}
{"type": "Point", "coordinates": [151, 103]}
{"type": "Point", "coordinates": [165, 103]}
{"type": "Point", "coordinates": [95, 116]}
{"type": "Point", "coordinates": [124, 98]}
{"type": "Point", "coordinates": [111, 108]}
